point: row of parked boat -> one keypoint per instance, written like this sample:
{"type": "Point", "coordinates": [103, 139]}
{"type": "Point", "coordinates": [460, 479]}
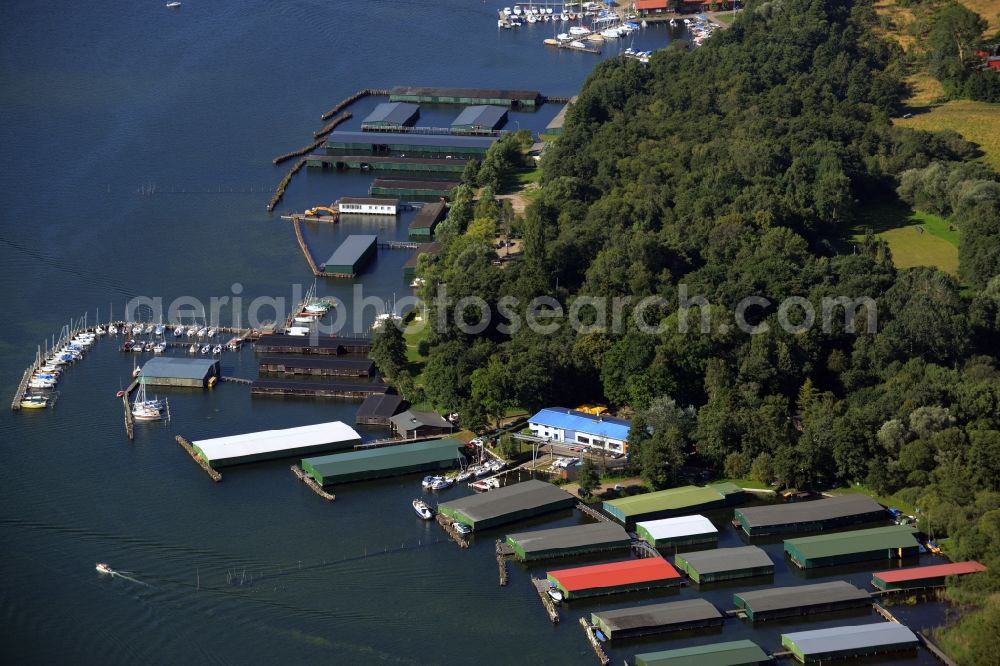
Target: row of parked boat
{"type": "Point", "coordinates": [310, 314]}
{"type": "Point", "coordinates": [45, 378]}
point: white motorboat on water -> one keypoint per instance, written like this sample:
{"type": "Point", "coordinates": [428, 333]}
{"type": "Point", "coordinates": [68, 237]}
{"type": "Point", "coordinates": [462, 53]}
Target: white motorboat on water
{"type": "Point", "coordinates": [101, 566]}
{"type": "Point", "coordinates": [217, 349]}
{"type": "Point", "coordinates": [178, 331]}
{"type": "Point", "coordinates": [441, 483]}
{"type": "Point", "coordinates": [173, 5]}
{"type": "Point", "coordinates": [160, 348]}
{"type": "Point", "coordinates": [464, 475]}
{"type": "Point", "coordinates": [422, 509]}
{"type": "Point", "coordinates": [112, 329]}
{"type": "Point", "coordinates": [206, 349]}
{"type": "Point", "coordinates": [555, 594]}
{"type": "Point", "coordinates": [34, 402]}
{"type": "Point", "coordinates": [159, 329]}
{"type": "Point", "coordinates": [193, 349]}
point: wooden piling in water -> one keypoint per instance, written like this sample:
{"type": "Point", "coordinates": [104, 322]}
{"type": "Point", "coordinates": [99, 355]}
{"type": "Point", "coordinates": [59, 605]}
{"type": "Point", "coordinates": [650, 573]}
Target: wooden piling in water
{"type": "Point", "coordinates": [449, 528]}
{"type": "Point", "coordinates": [602, 656]}
{"type": "Point", "coordinates": [501, 563]}
{"type": "Point", "coordinates": [280, 191]}
{"type": "Point", "coordinates": [332, 125]}
{"type": "Point", "coordinates": [550, 606]}
{"type": "Point", "coordinates": [186, 445]}
{"type": "Point", "coordinates": [320, 137]}
{"type": "Point", "coordinates": [347, 101]}
{"type": "Point", "coordinates": [297, 225]}
{"type": "Point", "coordinates": [311, 482]}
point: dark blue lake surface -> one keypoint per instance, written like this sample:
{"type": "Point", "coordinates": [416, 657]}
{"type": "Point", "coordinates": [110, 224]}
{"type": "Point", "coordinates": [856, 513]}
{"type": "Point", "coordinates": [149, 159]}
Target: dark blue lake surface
{"type": "Point", "coordinates": [137, 146]}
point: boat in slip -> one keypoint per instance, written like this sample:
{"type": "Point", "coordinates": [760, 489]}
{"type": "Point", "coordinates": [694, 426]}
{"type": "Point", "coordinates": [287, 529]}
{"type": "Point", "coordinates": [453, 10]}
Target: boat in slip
{"type": "Point", "coordinates": [422, 509]}
{"type": "Point", "coordinates": [578, 31]}
{"type": "Point", "coordinates": [160, 348]}
{"type": "Point", "coordinates": [34, 402]}
{"type": "Point", "coordinates": [205, 349]}
{"type": "Point", "coordinates": [146, 410]}
{"type": "Point", "coordinates": [193, 349]}
{"type": "Point", "coordinates": [178, 331]}
{"type": "Point", "coordinates": [217, 349]}
{"type": "Point", "coordinates": [555, 594]}
{"type": "Point", "coordinates": [112, 329]}
{"type": "Point", "coordinates": [104, 568]}
{"type": "Point", "coordinates": [442, 483]}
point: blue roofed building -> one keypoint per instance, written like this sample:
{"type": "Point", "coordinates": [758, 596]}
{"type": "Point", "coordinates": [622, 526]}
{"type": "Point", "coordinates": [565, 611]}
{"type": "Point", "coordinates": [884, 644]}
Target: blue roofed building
{"type": "Point", "coordinates": [568, 426]}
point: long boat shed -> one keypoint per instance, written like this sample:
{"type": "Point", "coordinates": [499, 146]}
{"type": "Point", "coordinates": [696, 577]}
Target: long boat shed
{"type": "Point", "coordinates": [377, 409]}
{"type": "Point", "coordinates": [732, 653]}
{"type": "Point", "coordinates": [480, 118]}
{"type": "Point", "coordinates": [391, 115]}
{"type": "Point", "coordinates": [712, 566]}
{"type": "Point", "coordinates": [567, 541]}
{"type": "Point", "coordinates": [413, 188]}
{"type": "Point", "coordinates": [848, 642]}
{"type": "Point", "coordinates": [512, 98]}
{"type": "Point", "coordinates": [680, 531]}
{"type": "Point", "coordinates": [410, 266]}
{"type": "Point", "coordinates": [317, 365]}
{"type": "Point", "coordinates": [810, 516]}
{"type": "Point", "coordinates": [507, 504]}
{"type": "Point", "coordinates": [177, 371]}
{"type": "Point", "coordinates": [657, 618]}
{"type": "Point", "coordinates": [270, 444]}
{"type": "Point", "coordinates": [352, 255]}
{"type": "Point", "coordinates": [673, 502]}
{"type": "Point", "coordinates": [410, 142]}
{"type": "Point", "coordinates": [796, 600]}
{"type": "Point", "coordinates": [877, 543]}
{"type": "Point", "coordinates": [425, 221]}
{"type": "Point", "coordinates": [615, 577]}
{"type": "Point", "coordinates": [305, 344]}
{"type": "Point", "coordinates": [383, 461]}
{"type": "Point", "coordinates": [933, 575]}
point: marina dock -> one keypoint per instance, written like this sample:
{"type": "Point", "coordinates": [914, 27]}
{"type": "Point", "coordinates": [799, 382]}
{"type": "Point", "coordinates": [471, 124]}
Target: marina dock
{"type": "Point", "coordinates": [186, 445]}
{"type": "Point", "coordinates": [315, 487]}
{"type": "Point", "coordinates": [550, 606]}
{"type": "Point", "coordinates": [590, 630]}
{"type": "Point", "coordinates": [448, 526]}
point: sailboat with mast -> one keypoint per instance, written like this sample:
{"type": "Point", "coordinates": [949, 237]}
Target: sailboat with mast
{"type": "Point", "coordinates": [144, 409]}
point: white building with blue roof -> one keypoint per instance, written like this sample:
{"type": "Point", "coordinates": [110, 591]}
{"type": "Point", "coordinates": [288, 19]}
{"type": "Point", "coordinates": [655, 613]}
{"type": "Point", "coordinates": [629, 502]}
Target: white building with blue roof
{"type": "Point", "coordinates": [567, 426]}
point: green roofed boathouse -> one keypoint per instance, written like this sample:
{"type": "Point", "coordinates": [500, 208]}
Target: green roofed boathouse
{"type": "Point", "coordinates": [352, 255]}
{"type": "Point", "coordinates": [777, 602]}
{"type": "Point", "coordinates": [733, 653]}
{"type": "Point", "coordinates": [878, 543]}
{"type": "Point", "coordinates": [673, 502]}
{"type": "Point", "coordinates": [384, 461]}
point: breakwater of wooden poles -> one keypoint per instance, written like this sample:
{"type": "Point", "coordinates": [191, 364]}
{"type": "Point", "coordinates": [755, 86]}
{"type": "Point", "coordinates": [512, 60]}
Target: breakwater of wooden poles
{"type": "Point", "coordinates": [330, 126]}
{"type": "Point", "coordinates": [347, 101]}
{"type": "Point", "coordinates": [186, 445]}
{"type": "Point", "coordinates": [297, 225]}
{"type": "Point", "coordinates": [280, 191]}
{"type": "Point", "coordinates": [320, 137]}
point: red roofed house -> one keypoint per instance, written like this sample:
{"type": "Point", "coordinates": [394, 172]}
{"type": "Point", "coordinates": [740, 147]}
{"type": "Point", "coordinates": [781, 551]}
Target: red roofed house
{"type": "Point", "coordinates": [651, 7]}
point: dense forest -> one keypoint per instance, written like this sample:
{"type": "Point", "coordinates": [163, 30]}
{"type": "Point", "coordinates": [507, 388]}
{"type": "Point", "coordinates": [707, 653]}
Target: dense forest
{"type": "Point", "coordinates": [745, 168]}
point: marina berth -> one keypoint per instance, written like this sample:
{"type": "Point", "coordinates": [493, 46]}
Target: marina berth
{"type": "Point", "coordinates": [879, 543]}
{"type": "Point", "coordinates": [508, 504]}
{"type": "Point", "coordinates": [657, 618]}
{"type": "Point", "coordinates": [680, 531]}
{"type": "Point", "coordinates": [796, 600]}
{"type": "Point", "coordinates": [384, 461]}
{"type": "Point", "coordinates": [673, 502]}
{"type": "Point", "coordinates": [568, 541]}
{"type": "Point", "coordinates": [809, 516]}
{"type": "Point", "coordinates": [615, 577]}
{"type": "Point", "coordinates": [179, 372]}
{"type": "Point", "coordinates": [849, 642]}
{"type": "Point", "coordinates": [712, 566]}
{"type": "Point", "coordinates": [732, 653]}
{"type": "Point", "coordinates": [933, 575]}
{"type": "Point", "coordinates": [270, 444]}
{"type": "Point", "coordinates": [354, 254]}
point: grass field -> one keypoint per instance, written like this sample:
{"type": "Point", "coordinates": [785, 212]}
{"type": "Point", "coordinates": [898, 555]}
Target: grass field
{"type": "Point", "coordinates": [413, 334]}
{"type": "Point", "coordinates": [976, 121]}
{"type": "Point", "coordinates": [989, 10]}
{"type": "Point", "coordinates": [915, 238]}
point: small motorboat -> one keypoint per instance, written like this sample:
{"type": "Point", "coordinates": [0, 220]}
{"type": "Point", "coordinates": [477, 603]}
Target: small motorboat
{"type": "Point", "coordinates": [112, 329]}
{"type": "Point", "coordinates": [193, 349]}
{"type": "Point", "coordinates": [206, 349]}
{"type": "Point", "coordinates": [159, 348]}
{"type": "Point", "coordinates": [555, 594]}
{"type": "Point", "coordinates": [179, 331]}
{"type": "Point", "coordinates": [159, 330]}
{"type": "Point", "coordinates": [120, 394]}
{"type": "Point", "coordinates": [461, 528]}
{"type": "Point", "coordinates": [464, 476]}
{"type": "Point", "coordinates": [104, 568]}
{"type": "Point", "coordinates": [217, 349]}
{"type": "Point", "coordinates": [441, 483]}
{"type": "Point", "coordinates": [173, 5]}
{"type": "Point", "coordinates": [34, 402]}
{"type": "Point", "coordinates": [422, 509]}
{"type": "Point", "coordinates": [428, 481]}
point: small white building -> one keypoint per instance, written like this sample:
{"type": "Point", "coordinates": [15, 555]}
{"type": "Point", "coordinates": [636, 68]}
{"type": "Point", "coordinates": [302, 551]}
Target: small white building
{"type": "Point", "coordinates": [368, 205]}
{"type": "Point", "coordinates": [567, 426]}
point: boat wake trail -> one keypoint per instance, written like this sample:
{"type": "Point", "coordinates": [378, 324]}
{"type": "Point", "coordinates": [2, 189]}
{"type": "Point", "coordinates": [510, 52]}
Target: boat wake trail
{"type": "Point", "coordinates": [120, 574]}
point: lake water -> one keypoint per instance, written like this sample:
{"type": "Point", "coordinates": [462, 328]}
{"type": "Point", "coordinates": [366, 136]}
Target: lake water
{"type": "Point", "coordinates": [137, 147]}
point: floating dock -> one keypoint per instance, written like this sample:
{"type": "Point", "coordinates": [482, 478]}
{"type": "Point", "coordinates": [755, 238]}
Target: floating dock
{"type": "Point", "coordinates": [568, 541]}
{"type": "Point", "coordinates": [713, 566]}
{"type": "Point", "coordinates": [427, 219]}
{"type": "Point", "coordinates": [354, 391]}
{"type": "Point", "coordinates": [681, 531]}
{"type": "Point", "coordinates": [778, 602]}
{"type": "Point", "coordinates": [354, 254]}
{"type": "Point", "coordinates": [809, 516]}
{"type": "Point", "coordinates": [364, 464]}
{"type": "Point", "coordinates": [615, 577]}
{"type": "Point", "coordinates": [469, 96]}
{"type": "Point", "coordinates": [407, 144]}
{"type": "Point", "coordinates": [673, 502]}
{"type": "Point", "coordinates": [304, 344]}
{"type": "Point", "coordinates": [878, 543]}
{"type": "Point", "coordinates": [507, 504]}
{"type": "Point", "coordinates": [318, 366]}
{"type": "Point", "coordinates": [412, 188]}
{"type": "Point", "coordinates": [270, 444]}
{"type": "Point", "coordinates": [927, 576]}
{"type": "Point", "coordinates": [657, 618]}
{"type": "Point", "coordinates": [733, 653]}
{"type": "Point", "coordinates": [386, 163]}
{"type": "Point", "coordinates": [851, 642]}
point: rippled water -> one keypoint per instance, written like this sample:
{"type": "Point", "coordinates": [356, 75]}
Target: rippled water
{"type": "Point", "coordinates": [137, 145]}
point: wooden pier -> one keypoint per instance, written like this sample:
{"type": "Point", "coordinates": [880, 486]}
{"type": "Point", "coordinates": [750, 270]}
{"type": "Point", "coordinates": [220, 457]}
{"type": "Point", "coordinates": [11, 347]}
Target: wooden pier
{"type": "Point", "coordinates": [297, 225]}
{"type": "Point", "coordinates": [302, 217]}
{"type": "Point", "coordinates": [502, 555]}
{"type": "Point", "coordinates": [186, 445]}
{"type": "Point", "coordinates": [235, 380]}
{"type": "Point", "coordinates": [23, 386]}
{"type": "Point", "coordinates": [311, 482]}
{"type": "Point", "coordinates": [550, 606]}
{"type": "Point", "coordinates": [448, 526]}
{"type": "Point", "coordinates": [884, 612]}
{"type": "Point", "coordinates": [590, 630]}
{"type": "Point", "coordinates": [565, 45]}
{"type": "Point", "coordinates": [593, 513]}
{"type": "Point", "coordinates": [935, 650]}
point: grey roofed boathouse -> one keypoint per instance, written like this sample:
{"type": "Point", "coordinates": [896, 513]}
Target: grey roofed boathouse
{"type": "Point", "coordinates": [507, 504]}
{"type": "Point", "coordinates": [852, 641]}
{"type": "Point", "coordinates": [410, 424]}
{"type": "Point", "coordinates": [657, 618]}
{"type": "Point", "coordinates": [352, 255]}
{"type": "Point", "coordinates": [809, 516]}
{"type": "Point", "coordinates": [481, 118]}
{"type": "Point", "coordinates": [565, 541]}
{"type": "Point", "coordinates": [392, 114]}
{"type": "Point", "coordinates": [710, 566]}
{"type": "Point", "coordinates": [178, 371]}
{"type": "Point", "coordinates": [800, 600]}
{"type": "Point", "coordinates": [378, 409]}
